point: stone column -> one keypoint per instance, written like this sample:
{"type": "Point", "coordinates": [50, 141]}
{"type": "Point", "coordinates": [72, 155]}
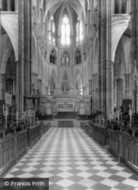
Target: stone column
{"type": "Point", "coordinates": [33, 79]}
{"type": "Point", "coordinates": [0, 5]}
{"type": "Point", "coordinates": [133, 32]}
{"type": "Point", "coordinates": [128, 86]}
{"type": "Point", "coordinates": [17, 86]}
{"type": "Point", "coordinates": [120, 6]}
{"type": "Point", "coordinates": [2, 86]}
{"type": "Point", "coordinates": [92, 50]}
{"type": "Point", "coordinates": [114, 91]}
{"type": "Point", "coordinates": [40, 93]}
{"type": "Point", "coordinates": [92, 93]}
{"type": "Point", "coordinates": [119, 92]}
{"type": "Point", "coordinates": [135, 26]}
{"type": "Point", "coordinates": [95, 93]}
{"type": "Point", "coordinates": [134, 43]}
{"type": "Point", "coordinates": [36, 82]}
{"type": "Point", "coordinates": [102, 57]}
{"type": "Point", "coordinates": [2, 78]}
{"type": "Point", "coordinates": [99, 65]}
{"type": "Point", "coordinates": [9, 5]}
{"type": "Point", "coordinates": [109, 63]}
{"type": "Point", "coordinates": [113, 6]}
{"type": "Point", "coordinates": [43, 88]}
{"type": "Point", "coordinates": [137, 100]}
{"type": "Point", "coordinates": [16, 5]}
{"type": "Point", "coordinates": [20, 63]}
{"type": "Point", "coordinates": [134, 106]}
{"type": "Point", "coordinates": [28, 46]}
{"type": "Point", "coordinates": [40, 85]}
{"type": "Point", "coordinates": [128, 6]}
{"type": "Point", "coordinates": [105, 63]}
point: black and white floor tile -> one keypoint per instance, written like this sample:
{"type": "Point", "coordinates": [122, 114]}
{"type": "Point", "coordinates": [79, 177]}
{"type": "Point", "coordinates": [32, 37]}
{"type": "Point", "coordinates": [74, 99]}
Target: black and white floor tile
{"type": "Point", "coordinates": [73, 161]}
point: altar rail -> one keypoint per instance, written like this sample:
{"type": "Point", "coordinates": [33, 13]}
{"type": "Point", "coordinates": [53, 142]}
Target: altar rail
{"type": "Point", "coordinates": [125, 148]}
{"type": "Point", "coordinates": [97, 132]}
{"type": "Point", "coordinates": [14, 146]}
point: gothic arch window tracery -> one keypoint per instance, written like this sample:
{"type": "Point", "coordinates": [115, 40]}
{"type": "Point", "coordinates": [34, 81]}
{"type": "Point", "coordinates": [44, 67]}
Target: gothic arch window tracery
{"type": "Point", "coordinates": [8, 5]}
{"type": "Point", "coordinates": [122, 6]}
{"type": "Point", "coordinates": [65, 31]}
{"type": "Point", "coordinates": [51, 31]}
{"type": "Point", "coordinates": [79, 31]}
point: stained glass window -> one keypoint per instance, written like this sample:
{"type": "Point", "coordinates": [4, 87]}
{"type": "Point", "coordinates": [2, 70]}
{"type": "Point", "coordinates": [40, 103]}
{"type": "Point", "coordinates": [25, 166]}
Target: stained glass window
{"type": "Point", "coordinates": [65, 31]}
{"type": "Point", "coordinates": [79, 31]}
{"type": "Point", "coordinates": [51, 28]}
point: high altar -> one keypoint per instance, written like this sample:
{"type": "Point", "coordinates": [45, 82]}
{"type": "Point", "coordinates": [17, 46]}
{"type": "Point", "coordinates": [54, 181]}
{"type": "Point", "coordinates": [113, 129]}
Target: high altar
{"type": "Point", "coordinates": [66, 105]}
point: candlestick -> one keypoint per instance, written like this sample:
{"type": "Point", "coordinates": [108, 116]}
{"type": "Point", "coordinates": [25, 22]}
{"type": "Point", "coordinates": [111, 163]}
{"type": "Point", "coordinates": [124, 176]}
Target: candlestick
{"type": "Point", "coordinates": [130, 114]}
{"type": "Point", "coordinates": [17, 117]}
{"type": "Point", "coordinates": [6, 116]}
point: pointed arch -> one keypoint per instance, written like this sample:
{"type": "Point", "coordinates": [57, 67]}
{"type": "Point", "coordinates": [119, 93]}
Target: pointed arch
{"type": "Point", "coordinates": [78, 6]}
{"type": "Point", "coordinates": [65, 31]}
{"type": "Point", "coordinates": [7, 48]}
{"type": "Point", "coordinates": [65, 11]}
{"type": "Point", "coordinates": [34, 54]}
{"type": "Point", "coordinates": [85, 75]}
{"type": "Point", "coordinates": [10, 25]}
{"type": "Point", "coordinates": [118, 30]}
{"type": "Point", "coordinates": [120, 60]}
{"type": "Point", "coordinates": [95, 56]}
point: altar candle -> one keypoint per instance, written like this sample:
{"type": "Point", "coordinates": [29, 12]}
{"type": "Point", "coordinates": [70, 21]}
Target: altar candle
{"type": "Point", "coordinates": [130, 114]}
{"type": "Point", "coordinates": [17, 117]}
{"type": "Point", "coordinates": [118, 116]}
{"type": "Point", "coordinates": [6, 116]}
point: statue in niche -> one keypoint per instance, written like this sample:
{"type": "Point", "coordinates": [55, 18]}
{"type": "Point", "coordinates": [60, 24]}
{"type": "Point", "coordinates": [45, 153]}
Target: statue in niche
{"type": "Point", "coordinates": [65, 61]}
{"type": "Point", "coordinates": [52, 57]}
{"type": "Point", "coordinates": [65, 84]}
{"type": "Point", "coordinates": [33, 90]}
{"type": "Point", "coordinates": [78, 57]}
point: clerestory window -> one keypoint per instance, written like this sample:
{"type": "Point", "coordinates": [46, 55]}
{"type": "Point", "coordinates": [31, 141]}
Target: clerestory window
{"type": "Point", "coordinates": [79, 31]}
{"type": "Point", "coordinates": [51, 37]}
{"type": "Point", "coordinates": [7, 5]}
{"type": "Point", "coordinates": [65, 31]}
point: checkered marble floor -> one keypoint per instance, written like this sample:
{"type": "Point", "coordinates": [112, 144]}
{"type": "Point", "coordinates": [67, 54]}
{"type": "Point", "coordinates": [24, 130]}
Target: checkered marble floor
{"type": "Point", "coordinates": [73, 161]}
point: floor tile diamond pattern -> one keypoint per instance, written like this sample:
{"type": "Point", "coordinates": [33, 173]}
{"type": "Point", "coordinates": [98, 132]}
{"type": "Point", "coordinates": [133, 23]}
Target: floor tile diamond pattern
{"type": "Point", "coordinates": [73, 161]}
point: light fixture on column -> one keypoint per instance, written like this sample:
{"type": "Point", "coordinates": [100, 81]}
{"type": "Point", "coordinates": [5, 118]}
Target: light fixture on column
{"type": "Point", "coordinates": [81, 91]}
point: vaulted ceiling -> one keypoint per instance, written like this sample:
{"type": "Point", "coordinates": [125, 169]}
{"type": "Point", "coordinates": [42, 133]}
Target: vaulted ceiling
{"type": "Point", "coordinates": [72, 6]}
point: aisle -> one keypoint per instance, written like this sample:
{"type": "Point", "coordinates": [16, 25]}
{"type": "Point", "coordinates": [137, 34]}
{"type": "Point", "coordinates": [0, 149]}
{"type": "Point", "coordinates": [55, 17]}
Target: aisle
{"type": "Point", "coordinates": [73, 161]}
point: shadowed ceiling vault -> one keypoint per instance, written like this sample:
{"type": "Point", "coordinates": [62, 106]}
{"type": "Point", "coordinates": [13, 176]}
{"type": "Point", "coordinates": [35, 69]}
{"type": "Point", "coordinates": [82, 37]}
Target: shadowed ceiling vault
{"type": "Point", "coordinates": [72, 5]}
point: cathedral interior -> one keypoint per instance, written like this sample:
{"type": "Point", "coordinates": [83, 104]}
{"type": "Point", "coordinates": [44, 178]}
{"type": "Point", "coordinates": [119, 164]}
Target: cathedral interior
{"type": "Point", "coordinates": [69, 93]}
